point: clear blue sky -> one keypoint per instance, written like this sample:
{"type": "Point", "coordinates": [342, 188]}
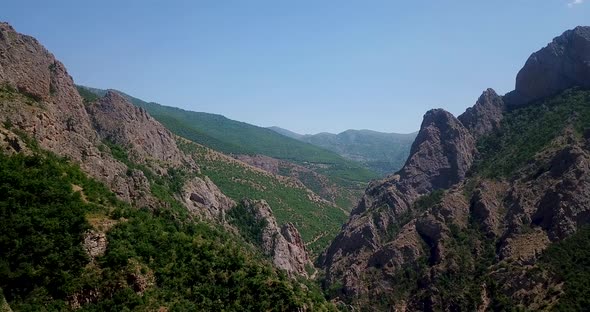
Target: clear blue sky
{"type": "Point", "coordinates": [308, 66]}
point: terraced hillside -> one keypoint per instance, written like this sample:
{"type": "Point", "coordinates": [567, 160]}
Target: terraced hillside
{"type": "Point", "coordinates": [317, 220]}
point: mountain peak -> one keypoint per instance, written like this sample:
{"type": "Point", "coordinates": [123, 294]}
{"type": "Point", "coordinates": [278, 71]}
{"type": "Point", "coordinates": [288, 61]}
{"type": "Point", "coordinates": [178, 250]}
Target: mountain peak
{"type": "Point", "coordinates": [485, 115]}
{"type": "Point", "coordinates": [562, 64]}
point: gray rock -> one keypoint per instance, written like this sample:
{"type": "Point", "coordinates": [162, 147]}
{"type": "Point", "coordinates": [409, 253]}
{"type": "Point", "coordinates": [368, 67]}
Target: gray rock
{"type": "Point", "coordinates": [283, 244]}
{"type": "Point", "coordinates": [441, 155]}
{"type": "Point", "coordinates": [562, 64]}
{"type": "Point", "coordinates": [485, 116]}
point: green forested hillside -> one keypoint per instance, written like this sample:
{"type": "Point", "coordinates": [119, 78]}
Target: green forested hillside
{"type": "Point", "coordinates": [234, 137]}
{"type": "Point", "coordinates": [155, 260]}
{"type": "Point", "coordinates": [317, 221]}
{"type": "Point", "coordinates": [384, 153]}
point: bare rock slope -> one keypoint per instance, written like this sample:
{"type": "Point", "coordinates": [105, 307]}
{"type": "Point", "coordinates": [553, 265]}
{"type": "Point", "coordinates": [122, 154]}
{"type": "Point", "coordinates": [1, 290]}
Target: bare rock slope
{"type": "Point", "coordinates": [435, 218]}
{"type": "Point", "coordinates": [283, 244]}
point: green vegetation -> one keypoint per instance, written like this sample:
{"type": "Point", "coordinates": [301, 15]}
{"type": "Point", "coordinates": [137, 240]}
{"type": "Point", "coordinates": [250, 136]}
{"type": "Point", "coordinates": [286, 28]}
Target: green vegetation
{"type": "Point", "coordinates": [290, 203]}
{"type": "Point", "coordinates": [9, 93]}
{"type": "Point", "coordinates": [87, 95]}
{"type": "Point", "coordinates": [234, 137]}
{"type": "Point", "coordinates": [154, 259]}
{"type": "Point", "coordinates": [570, 261]}
{"type": "Point", "coordinates": [429, 200]}
{"type": "Point", "coordinates": [527, 130]}
{"type": "Point", "coordinates": [244, 220]}
{"type": "Point", "coordinates": [384, 153]}
{"type": "Point", "coordinates": [318, 222]}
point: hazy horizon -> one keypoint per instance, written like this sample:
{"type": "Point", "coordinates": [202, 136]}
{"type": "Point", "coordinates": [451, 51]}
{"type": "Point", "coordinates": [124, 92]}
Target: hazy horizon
{"type": "Point", "coordinates": [307, 67]}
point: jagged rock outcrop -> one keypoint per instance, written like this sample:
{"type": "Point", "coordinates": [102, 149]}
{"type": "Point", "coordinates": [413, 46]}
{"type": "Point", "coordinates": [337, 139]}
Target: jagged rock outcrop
{"type": "Point", "coordinates": [485, 116]}
{"type": "Point", "coordinates": [117, 120]}
{"type": "Point", "coordinates": [562, 64]}
{"type": "Point", "coordinates": [39, 97]}
{"type": "Point", "coordinates": [203, 198]}
{"type": "Point", "coordinates": [506, 223]}
{"type": "Point", "coordinates": [283, 244]}
{"type": "Point", "coordinates": [440, 157]}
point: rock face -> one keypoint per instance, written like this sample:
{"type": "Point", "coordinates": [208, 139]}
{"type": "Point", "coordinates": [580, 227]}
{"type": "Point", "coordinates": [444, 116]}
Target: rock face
{"type": "Point", "coordinates": [440, 157]}
{"type": "Point", "coordinates": [283, 244]}
{"type": "Point", "coordinates": [562, 64]}
{"type": "Point", "coordinates": [393, 231]}
{"type": "Point", "coordinates": [39, 98]}
{"type": "Point", "coordinates": [117, 120]}
{"type": "Point", "coordinates": [485, 116]}
{"type": "Point", "coordinates": [204, 198]}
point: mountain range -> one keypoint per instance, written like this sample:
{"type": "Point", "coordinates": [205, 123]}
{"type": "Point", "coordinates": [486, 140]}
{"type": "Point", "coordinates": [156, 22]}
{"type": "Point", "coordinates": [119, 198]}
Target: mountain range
{"type": "Point", "coordinates": [108, 202]}
{"type": "Point", "coordinates": [490, 211]}
{"type": "Point", "coordinates": [381, 152]}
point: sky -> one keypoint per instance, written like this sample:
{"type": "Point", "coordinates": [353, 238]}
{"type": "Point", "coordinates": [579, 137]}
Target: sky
{"type": "Point", "coordinates": [308, 66]}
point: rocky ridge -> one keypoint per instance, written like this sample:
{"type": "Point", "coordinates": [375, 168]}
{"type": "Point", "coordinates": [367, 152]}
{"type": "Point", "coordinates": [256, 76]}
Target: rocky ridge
{"type": "Point", "coordinates": [392, 230]}
{"type": "Point", "coordinates": [562, 64]}
{"type": "Point", "coordinates": [283, 244]}
{"type": "Point", "coordinates": [40, 103]}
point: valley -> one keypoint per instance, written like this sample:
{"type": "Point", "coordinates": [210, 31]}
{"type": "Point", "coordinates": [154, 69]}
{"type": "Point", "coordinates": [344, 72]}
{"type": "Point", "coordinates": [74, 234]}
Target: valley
{"type": "Point", "coordinates": [112, 203]}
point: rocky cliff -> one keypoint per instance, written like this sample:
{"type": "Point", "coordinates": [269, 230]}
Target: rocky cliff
{"type": "Point", "coordinates": [39, 98]}
{"type": "Point", "coordinates": [119, 122]}
{"type": "Point", "coordinates": [112, 140]}
{"type": "Point", "coordinates": [440, 233]}
{"type": "Point", "coordinates": [282, 243]}
{"type": "Point", "coordinates": [439, 158]}
{"type": "Point", "coordinates": [562, 64]}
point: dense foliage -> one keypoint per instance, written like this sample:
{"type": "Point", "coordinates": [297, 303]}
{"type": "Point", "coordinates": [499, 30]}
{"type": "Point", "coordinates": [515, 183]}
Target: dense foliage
{"type": "Point", "coordinates": [525, 131]}
{"type": "Point", "coordinates": [154, 258]}
{"type": "Point", "coordinates": [243, 219]}
{"type": "Point", "coordinates": [316, 221]}
{"type": "Point", "coordinates": [384, 153]}
{"type": "Point", "coordinates": [570, 261]}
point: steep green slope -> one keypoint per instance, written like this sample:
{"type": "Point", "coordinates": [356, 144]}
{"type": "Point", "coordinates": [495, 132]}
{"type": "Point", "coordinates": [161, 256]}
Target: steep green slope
{"type": "Point", "coordinates": [526, 131]}
{"type": "Point", "coordinates": [317, 221]}
{"type": "Point", "coordinates": [234, 137]}
{"type": "Point", "coordinates": [155, 260]}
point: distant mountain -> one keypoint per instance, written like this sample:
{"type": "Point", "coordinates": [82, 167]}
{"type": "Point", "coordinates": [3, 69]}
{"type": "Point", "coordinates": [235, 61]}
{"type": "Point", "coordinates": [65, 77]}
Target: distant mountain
{"type": "Point", "coordinates": [237, 138]}
{"type": "Point", "coordinates": [286, 132]}
{"type": "Point", "coordinates": [381, 152]}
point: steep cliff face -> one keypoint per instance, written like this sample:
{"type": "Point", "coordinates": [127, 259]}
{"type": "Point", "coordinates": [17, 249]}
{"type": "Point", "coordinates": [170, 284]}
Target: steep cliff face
{"type": "Point", "coordinates": [117, 120]}
{"type": "Point", "coordinates": [441, 154]}
{"type": "Point", "coordinates": [485, 116]}
{"type": "Point", "coordinates": [203, 198]}
{"type": "Point", "coordinates": [39, 98]}
{"type": "Point", "coordinates": [562, 64]}
{"type": "Point", "coordinates": [414, 247]}
{"type": "Point", "coordinates": [283, 244]}
{"type": "Point", "coordinates": [439, 158]}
